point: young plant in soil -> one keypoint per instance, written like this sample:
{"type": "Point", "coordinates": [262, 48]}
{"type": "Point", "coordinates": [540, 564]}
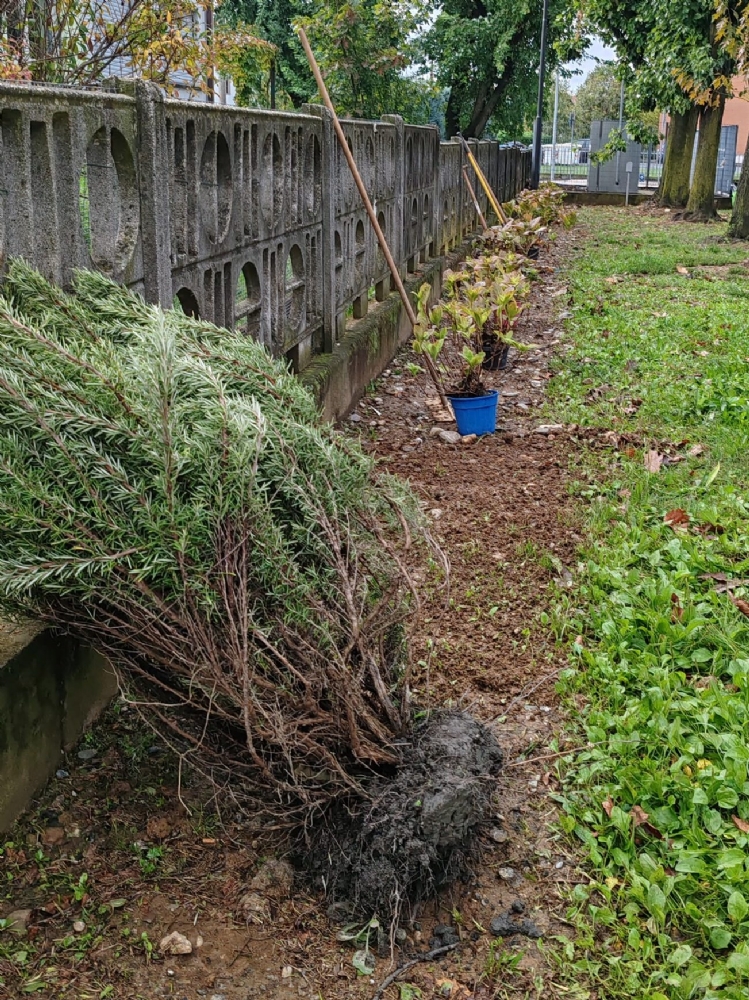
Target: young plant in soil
{"type": "Point", "coordinates": [482, 308]}
{"type": "Point", "coordinates": [545, 203]}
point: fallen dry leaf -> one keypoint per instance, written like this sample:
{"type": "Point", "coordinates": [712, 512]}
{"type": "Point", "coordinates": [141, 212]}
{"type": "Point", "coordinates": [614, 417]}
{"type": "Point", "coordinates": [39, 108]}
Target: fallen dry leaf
{"type": "Point", "coordinates": [641, 818]}
{"type": "Point", "coordinates": [695, 451]}
{"type": "Point", "coordinates": [710, 530]}
{"type": "Point", "coordinates": [740, 824]}
{"type": "Point", "coordinates": [683, 270]}
{"type": "Point", "coordinates": [677, 612]}
{"type": "Point", "coordinates": [608, 806]}
{"type": "Point", "coordinates": [743, 606]}
{"type": "Point", "coordinates": [653, 461]}
{"type": "Point", "coordinates": [639, 815]}
{"type": "Point", "coordinates": [612, 280]}
{"type": "Point", "coordinates": [630, 452]}
{"type": "Point", "coordinates": [677, 519]}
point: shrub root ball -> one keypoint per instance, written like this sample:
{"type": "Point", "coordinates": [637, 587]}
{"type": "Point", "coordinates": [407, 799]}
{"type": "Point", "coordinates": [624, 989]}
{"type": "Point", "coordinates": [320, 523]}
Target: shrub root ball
{"type": "Point", "coordinates": [419, 829]}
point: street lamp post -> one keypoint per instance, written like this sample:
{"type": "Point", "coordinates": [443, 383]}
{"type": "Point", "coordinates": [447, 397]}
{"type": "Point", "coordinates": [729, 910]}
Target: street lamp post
{"type": "Point", "coordinates": [538, 124]}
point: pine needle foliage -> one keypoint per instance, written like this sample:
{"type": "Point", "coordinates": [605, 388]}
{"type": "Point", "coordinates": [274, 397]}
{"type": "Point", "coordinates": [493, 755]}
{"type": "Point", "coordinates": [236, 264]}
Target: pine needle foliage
{"type": "Point", "coordinates": [169, 495]}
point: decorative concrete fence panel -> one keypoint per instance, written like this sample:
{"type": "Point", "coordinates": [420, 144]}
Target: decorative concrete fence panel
{"type": "Point", "coordinates": [70, 182]}
{"type": "Point", "coordinates": [247, 218]}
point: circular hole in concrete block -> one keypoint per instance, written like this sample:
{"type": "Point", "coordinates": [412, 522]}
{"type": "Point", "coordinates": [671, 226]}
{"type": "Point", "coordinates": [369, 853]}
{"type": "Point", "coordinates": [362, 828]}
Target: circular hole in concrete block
{"type": "Point", "coordinates": [215, 187]}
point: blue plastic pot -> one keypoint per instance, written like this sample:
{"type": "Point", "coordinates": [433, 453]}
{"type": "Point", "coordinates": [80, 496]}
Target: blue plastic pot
{"type": "Point", "coordinates": [476, 414]}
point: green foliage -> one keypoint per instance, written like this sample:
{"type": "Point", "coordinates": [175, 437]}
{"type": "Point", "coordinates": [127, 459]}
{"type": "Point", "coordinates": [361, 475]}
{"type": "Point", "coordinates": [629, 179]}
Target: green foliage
{"type": "Point", "coordinates": [616, 143]}
{"type": "Point", "coordinates": [363, 47]}
{"type": "Point", "coordinates": [658, 798]}
{"type": "Point", "coordinates": [272, 19]}
{"type": "Point", "coordinates": [168, 494]}
{"type": "Point", "coordinates": [597, 97]}
{"type": "Point", "coordinates": [487, 54]}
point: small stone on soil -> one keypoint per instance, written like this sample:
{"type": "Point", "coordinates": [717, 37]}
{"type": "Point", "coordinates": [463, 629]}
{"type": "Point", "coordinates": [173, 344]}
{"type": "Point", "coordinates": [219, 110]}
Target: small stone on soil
{"type": "Point", "coordinates": [86, 754]}
{"type": "Point", "coordinates": [507, 874]}
{"type": "Point", "coordinates": [449, 437]}
{"type": "Point", "coordinates": [79, 927]}
{"type": "Point", "coordinates": [549, 429]}
{"type": "Point", "coordinates": [175, 944]}
{"type": "Point", "coordinates": [505, 926]}
{"type": "Point", "coordinates": [18, 922]}
{"type": "Point", "coordinates": [53, 835]}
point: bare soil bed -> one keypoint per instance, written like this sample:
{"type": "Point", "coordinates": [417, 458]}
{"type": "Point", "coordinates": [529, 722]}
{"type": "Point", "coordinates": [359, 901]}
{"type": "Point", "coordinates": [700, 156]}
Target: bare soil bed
{"type": "Point", "coordinates": [110, 862]}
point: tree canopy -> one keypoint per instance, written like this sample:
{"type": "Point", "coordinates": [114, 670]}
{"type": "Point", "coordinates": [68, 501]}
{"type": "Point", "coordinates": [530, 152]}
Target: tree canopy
{"type": "Point", "coordinates": [487, 53]}
{"type": "Point", "coordinates": [83, 41]}
{"type": "Point", "coordinates": [598, 97]}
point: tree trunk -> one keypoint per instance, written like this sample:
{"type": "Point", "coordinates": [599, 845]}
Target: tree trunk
{"type": "Point", "coordinates": [673, 191]}
{"type": "Point", "coordinates": [739, 225]}
{"type": "Point", "coordinates": [452, 113]}
{"type": "Point", "coordinates": [701, 204]}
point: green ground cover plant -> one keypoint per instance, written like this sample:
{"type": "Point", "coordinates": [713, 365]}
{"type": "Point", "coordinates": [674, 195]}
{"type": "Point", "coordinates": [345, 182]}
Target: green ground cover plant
{"type": "Point", "coordinates": [659, 680]}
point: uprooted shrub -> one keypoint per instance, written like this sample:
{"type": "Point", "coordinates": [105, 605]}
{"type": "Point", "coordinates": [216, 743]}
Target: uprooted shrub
{"type": "Point", "coordinates": [169, 495]}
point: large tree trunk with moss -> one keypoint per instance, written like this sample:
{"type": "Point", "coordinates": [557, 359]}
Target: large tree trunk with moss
{"type": "Point", "coordinates": [739, 227]}
{"type": "Point", "coordinates": [673, 191]}
{"type": "Point", "coordinates": [701, 204]}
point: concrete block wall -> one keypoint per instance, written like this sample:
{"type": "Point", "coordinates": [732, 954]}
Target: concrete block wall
{"type": "Point", "coordinates": [51, 689]}
{"type": "Point", "coordinates": [247, 218]}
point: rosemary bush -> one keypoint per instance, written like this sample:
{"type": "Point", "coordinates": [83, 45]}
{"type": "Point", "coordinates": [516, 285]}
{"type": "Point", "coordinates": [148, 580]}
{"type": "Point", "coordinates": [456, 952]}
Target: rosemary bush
{"type": "Point", "coordinates": [169, 495]}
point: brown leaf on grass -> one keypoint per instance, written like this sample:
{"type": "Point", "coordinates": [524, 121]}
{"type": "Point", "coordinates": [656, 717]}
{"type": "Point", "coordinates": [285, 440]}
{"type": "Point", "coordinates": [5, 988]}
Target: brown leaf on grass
{"type": "Point", "coordinates": [608, 806]}
{"type": "Point", "coordinates": [611, 280]}
{"type": "Point", "coordinates": [677, 519]}
{"type": "Point", "coordinates": [641, 819]}
{"type": "Point", "coordinates": [639, 815]}
{"type": "Point", "coordinates": [630, 452]}
{"type": "Point", "coordinates": [653, 461]}
{"type": "Point", "coordinates": [682, 270]}
{"type": "Point", "coordinates": [742, 605]}
{"type": "Point", "coordinates": [677, 611]}
{"type": "Point", "coordinates": [740, 824]}
{"type": "Point", "coordinates": [695, 451]}
{"type": "Point", "coordinates": [709, 529]}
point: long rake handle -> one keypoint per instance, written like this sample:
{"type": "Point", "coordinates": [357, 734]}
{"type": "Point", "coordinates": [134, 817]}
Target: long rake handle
{"type": "Point", "coordinates": [498, 210]}
{"type": "Point", "coordinates": [472, 193]}
{"type": "Point", "coordinates": [368, 204]}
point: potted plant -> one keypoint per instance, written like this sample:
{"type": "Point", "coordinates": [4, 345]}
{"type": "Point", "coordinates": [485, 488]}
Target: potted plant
{"type": "Point", "coordinates": [481, 310]}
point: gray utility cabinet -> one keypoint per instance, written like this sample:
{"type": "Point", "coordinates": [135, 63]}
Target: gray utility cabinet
{"type": "Point", "coordinates": [612, 175]}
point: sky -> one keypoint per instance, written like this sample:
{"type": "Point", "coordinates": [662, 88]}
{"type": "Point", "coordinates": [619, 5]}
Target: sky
{"type": "Point", "coordinates": [596, 53]}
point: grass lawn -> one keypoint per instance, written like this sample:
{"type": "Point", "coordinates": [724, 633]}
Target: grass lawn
{"type": "Point", "coordinates": [659, 686]}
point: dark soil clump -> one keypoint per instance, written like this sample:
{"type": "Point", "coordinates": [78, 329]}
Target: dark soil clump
{"type": "Point", "coordinates": [419, 830]}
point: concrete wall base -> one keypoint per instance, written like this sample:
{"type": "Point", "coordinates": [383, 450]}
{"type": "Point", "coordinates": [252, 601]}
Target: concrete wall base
{"type": "Point", "coordinates": [50, 692]}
